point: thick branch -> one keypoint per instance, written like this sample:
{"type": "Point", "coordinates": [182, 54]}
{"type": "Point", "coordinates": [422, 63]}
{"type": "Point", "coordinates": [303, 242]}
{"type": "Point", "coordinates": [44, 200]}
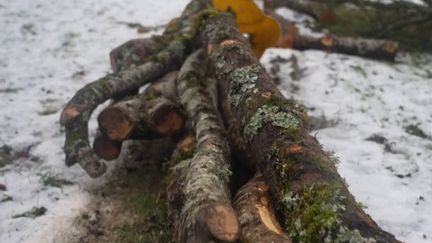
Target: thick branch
{"type": "Point", "coordinates": [206, 212]}
{"type": "Point", "coordinates": [308, 192]}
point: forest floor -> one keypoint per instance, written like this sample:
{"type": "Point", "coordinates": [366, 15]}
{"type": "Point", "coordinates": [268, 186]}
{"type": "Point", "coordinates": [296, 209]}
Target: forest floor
{"type": "Point", "coordinates": [375, 116]}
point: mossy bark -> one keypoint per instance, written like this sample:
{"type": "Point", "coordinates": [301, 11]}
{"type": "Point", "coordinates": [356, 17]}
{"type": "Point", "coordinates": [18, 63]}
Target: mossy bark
{"type": "Point", "coordinates": [206, 213]}
{"type": "Point", "coordinates": [274, 138]}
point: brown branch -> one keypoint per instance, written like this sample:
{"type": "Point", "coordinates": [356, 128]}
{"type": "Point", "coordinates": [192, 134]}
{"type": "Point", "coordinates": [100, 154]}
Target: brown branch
{"type": "Point", "coordinates": [206, 212]}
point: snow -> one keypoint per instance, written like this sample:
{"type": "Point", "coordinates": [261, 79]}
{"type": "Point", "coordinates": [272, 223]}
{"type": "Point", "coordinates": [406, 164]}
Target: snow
{"type": "Point", "coordinates": [51, 48]}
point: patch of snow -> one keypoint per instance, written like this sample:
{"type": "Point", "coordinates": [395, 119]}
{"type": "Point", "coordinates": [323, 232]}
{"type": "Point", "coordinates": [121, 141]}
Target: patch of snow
{"type": "Point", "coordinates": [50, 49]}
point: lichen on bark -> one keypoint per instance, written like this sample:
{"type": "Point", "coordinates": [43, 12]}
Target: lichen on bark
{"type": "Point", "coordinates": [273, 115]}
{"type": "Point", "coordinates": [314, 214]}
{"type": "Point", "coordinates": [243, 81]}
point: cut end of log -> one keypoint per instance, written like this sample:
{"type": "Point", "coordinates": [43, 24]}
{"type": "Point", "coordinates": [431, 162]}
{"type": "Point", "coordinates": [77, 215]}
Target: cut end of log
{"type": "Point", "coordinates": [170, 120]}
{"type": "Point", "coordinates": [391, 47]}
{"type": "Point", "coordinates": [187, 143]}
{"type": "Point", "coordinates": [222, 222]}
{"type": "Point", "coordinates": [327, 41]}
{"type": "Point", "coordinates": [106, 148]}
{"type": "Point", "coordinates": [69, 113]}
{"type": "Point", "coordinates": [116, 124]}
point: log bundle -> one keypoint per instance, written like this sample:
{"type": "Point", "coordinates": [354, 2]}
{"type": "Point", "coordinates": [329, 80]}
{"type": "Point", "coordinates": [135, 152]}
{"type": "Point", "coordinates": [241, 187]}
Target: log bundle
{"type": "Point", "coordinates": [209, 93]}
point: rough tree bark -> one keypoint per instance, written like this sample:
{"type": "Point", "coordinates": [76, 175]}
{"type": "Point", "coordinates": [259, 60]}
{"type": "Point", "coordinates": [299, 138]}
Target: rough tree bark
{"type": "Point", "coordinates": [206, 213]}
{"type": "Point", "coordinates": [309, 194]}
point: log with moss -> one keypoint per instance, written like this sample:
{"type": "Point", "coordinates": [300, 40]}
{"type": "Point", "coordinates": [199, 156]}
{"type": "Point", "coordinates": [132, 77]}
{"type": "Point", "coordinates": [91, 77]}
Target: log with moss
{"type": "Point", "coordinates": [290, 190]}
{"type": "Point", "coordinates": [206, 213]}
{"type": "Point", "coordinates": [308, 193]}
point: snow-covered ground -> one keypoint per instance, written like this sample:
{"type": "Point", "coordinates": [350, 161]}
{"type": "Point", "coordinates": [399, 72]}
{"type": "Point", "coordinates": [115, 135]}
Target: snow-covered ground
{"type": "Point", "coordinates": [49, 49]}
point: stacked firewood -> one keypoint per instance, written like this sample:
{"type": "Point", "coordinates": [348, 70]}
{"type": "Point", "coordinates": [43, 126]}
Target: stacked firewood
{"type": "Point", "coordinates": [208, 91]}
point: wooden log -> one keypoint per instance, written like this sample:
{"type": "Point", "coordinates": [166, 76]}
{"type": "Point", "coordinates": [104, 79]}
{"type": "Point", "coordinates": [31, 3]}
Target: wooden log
{"type": "Point", "coordinates": [76, 114]}
{"type": "Point", "coordinates": [256, 215]}
{"type": "Point", "coordinates": [142, 117]}
{"type": "Point", "coordinates": [310, 196]}
{"type": "Point", "coordinates": [106, 148]}
{"type": "Point", "coordinates": [206, 212]}
{"type": "Point", "coordinates": [370, 48]}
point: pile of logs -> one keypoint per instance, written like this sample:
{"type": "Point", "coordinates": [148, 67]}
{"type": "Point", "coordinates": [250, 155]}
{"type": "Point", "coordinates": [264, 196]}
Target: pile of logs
{"type": "Point", "coordinates": [209, 93]}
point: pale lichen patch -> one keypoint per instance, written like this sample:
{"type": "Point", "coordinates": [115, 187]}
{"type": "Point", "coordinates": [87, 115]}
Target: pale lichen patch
{"type": "Point", "coordinates": [243, 81]}
{"type": "Point", "coordinates": [275, 116]}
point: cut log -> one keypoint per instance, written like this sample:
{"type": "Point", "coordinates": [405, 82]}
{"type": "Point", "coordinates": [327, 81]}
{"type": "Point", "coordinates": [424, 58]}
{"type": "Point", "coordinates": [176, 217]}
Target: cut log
{"type": "Point", "coordinates": [106, 148]}
{"type": "Point", "coordinates": [76, 114]}
{"type": "Point", "coordinates": [142, 117]}
{"type": "Point", "coordinates": [256, 215]}
{"type": "Point", "coordinates": [309, 195]}
{"type": "Point", "coordinates": [370, 48]}
{"type": "Point", "coordinates": [206, 213]}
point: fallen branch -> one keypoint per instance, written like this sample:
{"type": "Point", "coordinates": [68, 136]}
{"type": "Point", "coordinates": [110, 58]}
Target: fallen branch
{"type": "Point", "coordinates": [308, 192]}
{"type": "Point", "coordinates": [206, 212]}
